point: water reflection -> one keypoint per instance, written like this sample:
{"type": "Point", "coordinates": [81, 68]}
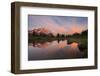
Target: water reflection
{"type": "Point", "coordinates": [45, 50]}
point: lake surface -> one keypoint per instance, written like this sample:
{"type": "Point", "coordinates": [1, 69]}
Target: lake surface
{"type": "Point", "coordinates": [54, 50]}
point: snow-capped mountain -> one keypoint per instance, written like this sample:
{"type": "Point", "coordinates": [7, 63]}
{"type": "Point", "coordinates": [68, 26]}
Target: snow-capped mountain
{"type": "Point", "coordinates": [39, 31]}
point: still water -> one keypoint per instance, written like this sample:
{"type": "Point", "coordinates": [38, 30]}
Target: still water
{"type": "Point", "coordinates": [54, 50]}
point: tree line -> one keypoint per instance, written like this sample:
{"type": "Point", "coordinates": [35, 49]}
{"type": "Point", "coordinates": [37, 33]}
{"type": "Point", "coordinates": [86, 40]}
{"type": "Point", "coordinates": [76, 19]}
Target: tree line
{"type": "Point", "coordinates": [84, 33]}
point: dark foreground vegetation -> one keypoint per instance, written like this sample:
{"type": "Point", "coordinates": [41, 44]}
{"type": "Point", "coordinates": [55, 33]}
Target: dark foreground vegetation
{"type": "Point", "coordinates": [81, 39]}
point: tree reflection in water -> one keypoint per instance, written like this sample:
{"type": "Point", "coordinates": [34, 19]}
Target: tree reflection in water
{"type": "Point", "coordinates": [58, 49]}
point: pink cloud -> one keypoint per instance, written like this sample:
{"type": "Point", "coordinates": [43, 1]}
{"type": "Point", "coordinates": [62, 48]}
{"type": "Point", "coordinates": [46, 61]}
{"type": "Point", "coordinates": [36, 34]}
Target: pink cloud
{"type": "Point", "coordinates": [75, 29]}
{"type": "Point", "coordinates": [62, 29]}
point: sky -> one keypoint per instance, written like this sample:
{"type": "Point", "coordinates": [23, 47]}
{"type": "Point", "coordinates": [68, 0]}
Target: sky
{"type": "Point", "coordinates": [58, 24]}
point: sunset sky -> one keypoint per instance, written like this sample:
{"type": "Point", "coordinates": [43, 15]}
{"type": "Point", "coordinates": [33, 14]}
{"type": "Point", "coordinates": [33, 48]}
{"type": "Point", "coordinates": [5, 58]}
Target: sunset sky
{"type": "Point", "coordinates": [58, 24]}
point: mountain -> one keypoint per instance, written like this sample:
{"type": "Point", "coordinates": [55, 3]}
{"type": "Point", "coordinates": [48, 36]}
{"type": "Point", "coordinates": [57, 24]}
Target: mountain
{"type": "Point", "coordinates": [40, 31]}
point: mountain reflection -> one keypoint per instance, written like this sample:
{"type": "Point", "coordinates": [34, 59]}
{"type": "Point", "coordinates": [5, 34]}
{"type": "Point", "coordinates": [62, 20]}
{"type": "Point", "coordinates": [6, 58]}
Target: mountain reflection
{"type": "Point", "coordinates": [58, 43]}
